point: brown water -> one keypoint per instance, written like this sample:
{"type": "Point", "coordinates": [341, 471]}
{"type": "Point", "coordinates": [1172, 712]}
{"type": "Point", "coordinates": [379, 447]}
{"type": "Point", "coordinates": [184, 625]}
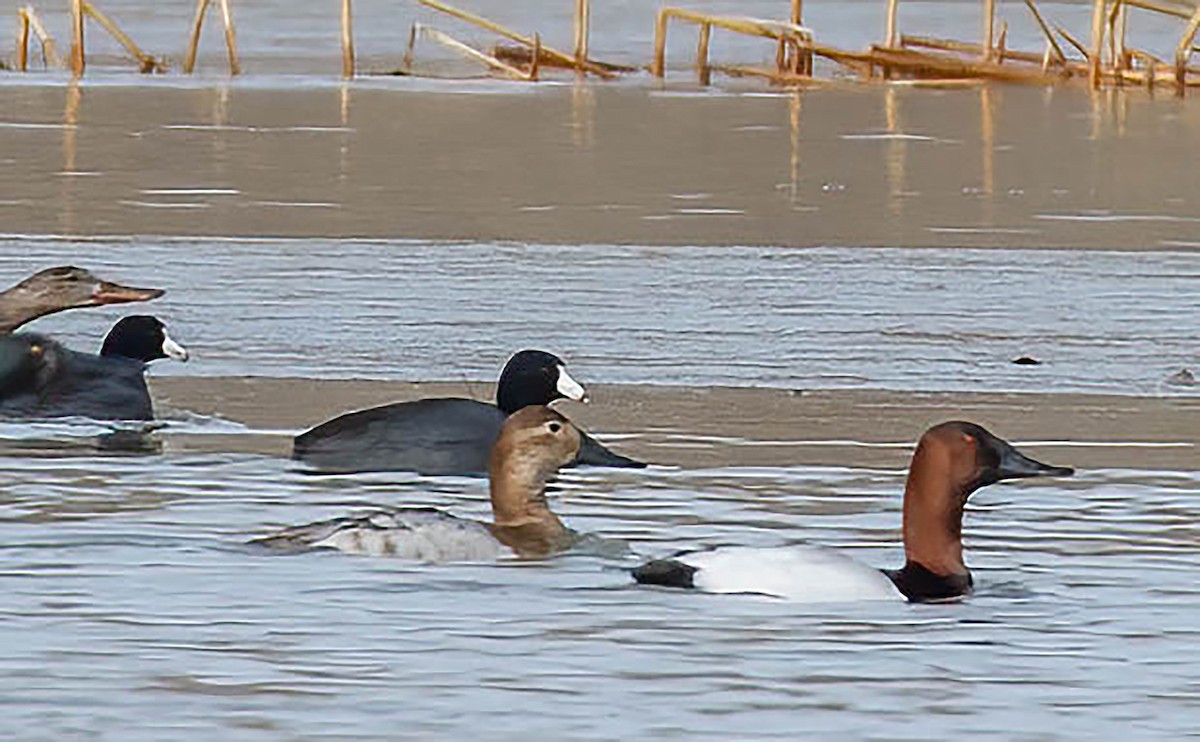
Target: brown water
{"type": "Point", "coordinates": [1013, 167]}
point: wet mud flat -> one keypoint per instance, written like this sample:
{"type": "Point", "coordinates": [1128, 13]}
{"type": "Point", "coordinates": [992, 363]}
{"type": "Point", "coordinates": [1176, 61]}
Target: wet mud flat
{"type": "Point", "coordinates": [713, 427]}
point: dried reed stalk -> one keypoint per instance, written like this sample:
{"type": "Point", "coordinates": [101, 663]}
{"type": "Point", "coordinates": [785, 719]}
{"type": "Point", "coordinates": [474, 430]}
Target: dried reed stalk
{"type": "Point", "coordinates": [989, 29]}
{"type": "Point", "coordinates": [775, 30]}
{"type": "Point", "coordinates": [703, 71]}
{"type": "Point", "coordinates": [467, 51]}
{"type": "Point", "coordinates": [189, 60]}
{"type": "Point", "coordinates": [50, 56]}
{"type": "Point", "coordinates": [1175, 9]}
{"type": "Point", "coordinates": [535, 57]}
{"type": "Point", "coordinates": [933, 65]}
{"type": "Point", "coordinates": [1184, 50]}
{"type": "Point", "coordinates": [23, 41]}
{"type": "Point", "coordinates": [146, 63]}
{"type": "Point", "coordinates": [582, 23]}
{"type": "Point", "coordinates": [347, 41]}
{"type": "Point", "coordinates": [964, 47]}
{"type": "Point", "coordinates": [1041, 22]}
{"type": "Point", "coordinates": [496, 28]}
{"type": "Point", "coordinates": [77, 54]}
{"type": "Point", "coordinates": [1119, 34]}
{"type": "Point", "coordinates": [1097, 45]}
{"type": "Point", "coordinates": [235, 68]}
{"type": "Point", "coordinates": [890, 36]}
{"type": "Point", "coordinates": [1079, 47]}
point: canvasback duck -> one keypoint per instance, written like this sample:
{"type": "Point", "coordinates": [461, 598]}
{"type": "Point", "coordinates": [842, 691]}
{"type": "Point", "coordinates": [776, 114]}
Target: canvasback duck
{"type": "Point", "coordinates": [952, 460]}
{"type": "Point", "coordinates": [447, 436]}
{"type": "Point", "coordinates": [533, 444]}
{"type": "Point", "coordinates": [57, 289]}
{"type": "Point", "coordinates": [49, 380]}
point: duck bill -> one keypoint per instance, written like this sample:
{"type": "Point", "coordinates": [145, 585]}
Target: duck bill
{"type": "Point", "coordinates": [1016, 465]}
{"type": "Point", "coordinates": [174, 350]}
{"type": "Point", "coordinates": [107, 292]}
{"type": "Point", "coordinates": [570, 388]}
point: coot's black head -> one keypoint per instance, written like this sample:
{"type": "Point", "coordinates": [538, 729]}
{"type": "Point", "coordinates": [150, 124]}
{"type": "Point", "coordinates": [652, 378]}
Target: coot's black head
{"type": "Point", "coordinates": [534, 377]}
{"type": "Point", "coordinates": [142, 338]}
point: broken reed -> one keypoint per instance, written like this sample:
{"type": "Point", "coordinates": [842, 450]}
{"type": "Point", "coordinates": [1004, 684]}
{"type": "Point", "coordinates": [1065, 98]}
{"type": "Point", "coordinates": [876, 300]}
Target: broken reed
{"type": "Point", "coordinates": [1106, 57]}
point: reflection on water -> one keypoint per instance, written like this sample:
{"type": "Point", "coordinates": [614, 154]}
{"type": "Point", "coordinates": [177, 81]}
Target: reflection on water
{"type": "Point", "coordinates": [831, 318]}
{"type": "Point", "coordinates": [127, 581]}
{"type": "Point", "coordinates": [579, 164]}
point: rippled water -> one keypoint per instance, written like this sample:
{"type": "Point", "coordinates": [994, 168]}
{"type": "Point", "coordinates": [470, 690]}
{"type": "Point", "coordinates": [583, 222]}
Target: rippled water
{"type": "Point", "coordinates": [879, 318]}
{"type": "Point", "coordinates": [132, 605]}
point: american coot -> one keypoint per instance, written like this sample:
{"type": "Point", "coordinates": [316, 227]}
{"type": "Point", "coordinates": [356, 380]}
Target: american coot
{"type": "Point", "coordinates": [533, 443]}
{"type": "Point", "coordinates": [445, 436]}
{"type": "Point", "coordinates": [65, 287]}
{"type": "Point", "coordinates": [952, 460]}
{"type": "Point", "coordinates": [46, 379]}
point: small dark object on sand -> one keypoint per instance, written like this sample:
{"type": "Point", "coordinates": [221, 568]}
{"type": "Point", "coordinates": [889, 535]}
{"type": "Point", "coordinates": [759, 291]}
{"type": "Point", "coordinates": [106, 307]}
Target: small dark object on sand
{"type": "Point", "coordinates": [1026, 361]}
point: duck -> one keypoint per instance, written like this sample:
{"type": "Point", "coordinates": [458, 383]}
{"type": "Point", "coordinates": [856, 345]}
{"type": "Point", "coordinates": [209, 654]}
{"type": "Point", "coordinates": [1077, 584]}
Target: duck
{"type": "Point", "coordinates": [60, 288]}
{"type": "Point", "coordinates": [48, 380]}
{"type": "Point", "coordinates": [533, 444]}
{"type": "Point", "coordinates": [952, 460]}
{"type": "Point", "coordinates": [446, 436]}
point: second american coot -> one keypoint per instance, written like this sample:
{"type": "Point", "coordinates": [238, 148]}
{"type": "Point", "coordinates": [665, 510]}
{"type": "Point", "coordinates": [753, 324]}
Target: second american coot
{"type": "Point", "coordinates": [447, 436]}
{"type": "Point", "coordinates": [45, 379]}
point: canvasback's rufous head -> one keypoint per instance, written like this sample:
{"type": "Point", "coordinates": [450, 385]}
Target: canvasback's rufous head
{"type": "Point", "coordinates": [952, 460]}
{"type": "Point", "coordinates": [971, 457]}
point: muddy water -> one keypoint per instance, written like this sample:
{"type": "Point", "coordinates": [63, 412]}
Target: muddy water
{"type": "Point", "coordinates": [1007, 167]}
{"type": "Point", "coordinates": [831, 318]}
{"type": "Point", "coordinates": [139, 613]}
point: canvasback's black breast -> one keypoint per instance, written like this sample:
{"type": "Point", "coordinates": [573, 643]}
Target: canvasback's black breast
{"type": "Point", "coordinates": [667, 573]}
{"type": "Point", "coordinates": [920, 585]}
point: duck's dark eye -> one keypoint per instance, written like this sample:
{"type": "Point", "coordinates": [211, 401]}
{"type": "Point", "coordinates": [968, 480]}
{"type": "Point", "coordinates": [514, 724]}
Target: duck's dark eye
{"type": "Point", "coordinates": [555, 427]}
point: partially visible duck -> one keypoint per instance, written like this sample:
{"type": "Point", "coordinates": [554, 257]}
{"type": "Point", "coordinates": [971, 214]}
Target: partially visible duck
{"type": "Point", "coordinates": [58, 382]}
{"type": "Point", "coordinates": [952, 460]}
{"type": "Point", "coordinates": [447, 436]}
{"type": "Point", "coordinates": [532, 445]}
{"type": "Point", "coordinates": [65, 287]}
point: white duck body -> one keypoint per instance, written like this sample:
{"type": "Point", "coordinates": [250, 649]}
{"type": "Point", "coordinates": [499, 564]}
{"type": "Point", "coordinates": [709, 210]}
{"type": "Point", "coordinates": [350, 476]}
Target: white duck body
{"type": "Point", "coordinates": [803, 574]}
{"type": "Point", "coordinates": [420, 534]}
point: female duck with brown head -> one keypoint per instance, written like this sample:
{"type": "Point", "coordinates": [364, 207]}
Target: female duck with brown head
{"type": "Point", "coordinates": [65, 287]}
{"type": "Point", "coordinates": [952, 460]}
{"type": "Point", "coordinates": [533, 444]}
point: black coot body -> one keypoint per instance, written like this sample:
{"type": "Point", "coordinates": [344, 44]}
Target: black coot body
{"type": "Point", "coordinates": [447, 436]}
{"type": "Point", "coordinates": [40, 378]}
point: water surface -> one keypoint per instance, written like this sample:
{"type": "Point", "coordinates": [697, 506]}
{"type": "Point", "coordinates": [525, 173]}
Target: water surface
{"type": "Point", "coordinates": [139, 610]}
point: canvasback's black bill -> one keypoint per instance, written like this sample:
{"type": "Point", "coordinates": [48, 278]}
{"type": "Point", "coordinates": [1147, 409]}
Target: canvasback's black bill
{"type": "Point", "coordinates": [1016, 465]}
